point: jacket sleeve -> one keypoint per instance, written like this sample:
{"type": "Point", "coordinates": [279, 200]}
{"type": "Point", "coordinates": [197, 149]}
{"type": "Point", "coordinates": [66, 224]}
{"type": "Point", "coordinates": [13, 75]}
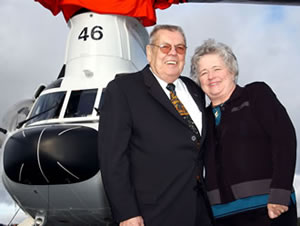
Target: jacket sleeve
{"type": "Point", "coordinates": [280, 131]}
{"type": "Point", "coordinates": [114, 135]}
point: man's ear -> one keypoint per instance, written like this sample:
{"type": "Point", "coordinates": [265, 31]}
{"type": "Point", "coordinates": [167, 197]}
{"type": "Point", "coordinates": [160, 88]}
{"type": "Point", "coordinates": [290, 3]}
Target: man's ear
{"type": "Point", "coordinates": [149, 53]}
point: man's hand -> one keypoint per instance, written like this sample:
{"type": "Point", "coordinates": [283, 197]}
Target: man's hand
{"type": "Point", "coordinates": [275, 210]}
{"type": "Point", "coordinates": [135, 221]}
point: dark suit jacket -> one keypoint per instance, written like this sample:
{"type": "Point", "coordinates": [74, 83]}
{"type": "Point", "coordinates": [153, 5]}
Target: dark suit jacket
{"type": "Point", "coordinates": [149, 159]}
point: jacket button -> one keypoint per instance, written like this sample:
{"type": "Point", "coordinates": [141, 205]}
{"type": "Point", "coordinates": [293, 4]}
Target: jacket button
{"type": "Point", "coordinates": [193, 138]}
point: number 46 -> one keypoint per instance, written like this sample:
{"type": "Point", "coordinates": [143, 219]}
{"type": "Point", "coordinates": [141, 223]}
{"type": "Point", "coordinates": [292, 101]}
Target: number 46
{"type": "Point", "coordinates": [96, 33]}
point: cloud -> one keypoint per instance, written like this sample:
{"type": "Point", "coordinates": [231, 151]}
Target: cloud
{"type": "Point", "coordinates": [297, 188]}
{"type": "Point", "coordinates": [7, 214]}
{"type": "Point", "coordinates": [32, 49]}
{"type": "Point", "coordinates": [5, 198]}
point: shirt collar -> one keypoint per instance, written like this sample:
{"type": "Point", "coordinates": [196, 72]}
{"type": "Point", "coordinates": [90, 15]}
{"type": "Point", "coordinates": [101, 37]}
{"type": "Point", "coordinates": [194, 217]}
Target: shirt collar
{"type": "Point", "coordinates": [164, 84]}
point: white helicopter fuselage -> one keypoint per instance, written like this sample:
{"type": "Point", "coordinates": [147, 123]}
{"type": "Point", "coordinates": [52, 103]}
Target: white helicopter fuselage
{"type": "Point", "coordinates": [50, 163]}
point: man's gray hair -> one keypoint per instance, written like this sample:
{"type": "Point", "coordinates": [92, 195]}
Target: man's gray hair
{"type": "Point", "coordinates": [165, 27]}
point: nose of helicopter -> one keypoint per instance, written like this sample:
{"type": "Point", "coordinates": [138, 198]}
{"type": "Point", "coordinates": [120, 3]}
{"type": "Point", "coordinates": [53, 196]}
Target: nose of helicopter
{"type": "Point", "coordinates": [53, 154]}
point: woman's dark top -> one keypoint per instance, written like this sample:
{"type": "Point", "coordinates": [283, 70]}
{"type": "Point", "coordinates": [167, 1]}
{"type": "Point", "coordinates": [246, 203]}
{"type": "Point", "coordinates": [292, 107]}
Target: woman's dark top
{"type": "Point", "coordinates": [251, 154]}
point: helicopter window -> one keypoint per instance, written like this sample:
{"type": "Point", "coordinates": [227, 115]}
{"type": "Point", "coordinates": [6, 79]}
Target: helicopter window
{"type": "Point", "coordinates": [81, 103]}
{"type": "Point", "coordinates": [47, 107]}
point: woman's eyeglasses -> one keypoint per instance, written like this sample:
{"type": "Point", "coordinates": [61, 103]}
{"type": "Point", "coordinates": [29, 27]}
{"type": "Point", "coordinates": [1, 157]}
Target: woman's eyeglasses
{"type": "Point", "coordinates": [166, 48]}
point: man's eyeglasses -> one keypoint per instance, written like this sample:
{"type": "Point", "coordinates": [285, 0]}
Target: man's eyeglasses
{"type": "Point", "coordinates": [166, 48]}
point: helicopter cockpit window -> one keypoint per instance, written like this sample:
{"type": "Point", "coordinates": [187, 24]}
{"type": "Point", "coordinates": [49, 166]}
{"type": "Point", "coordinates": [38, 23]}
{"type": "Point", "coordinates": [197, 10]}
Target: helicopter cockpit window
{"type": "Point", "coordinates": [81, 103]}
{"type": "Point", "coordinates": [47, 107]}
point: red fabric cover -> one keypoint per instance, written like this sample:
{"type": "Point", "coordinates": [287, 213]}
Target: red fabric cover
{"type": "Point", "coordinates": [144, 10]}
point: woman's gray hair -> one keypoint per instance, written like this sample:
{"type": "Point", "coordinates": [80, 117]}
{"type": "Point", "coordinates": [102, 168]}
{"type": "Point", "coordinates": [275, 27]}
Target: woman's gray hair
{"type": "Point", "coordinates": [210, 46]}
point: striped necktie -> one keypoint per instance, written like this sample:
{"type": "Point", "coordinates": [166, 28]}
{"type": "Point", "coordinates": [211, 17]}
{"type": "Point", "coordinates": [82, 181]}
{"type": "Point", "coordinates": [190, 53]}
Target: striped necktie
{"type": "Point", "coordinates": [181, 110]}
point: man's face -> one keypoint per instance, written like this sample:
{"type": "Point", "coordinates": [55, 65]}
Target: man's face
{"type": "Point", "coordinates": [167, 66]}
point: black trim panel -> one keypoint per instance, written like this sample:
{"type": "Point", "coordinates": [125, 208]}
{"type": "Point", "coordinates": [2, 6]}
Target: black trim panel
{"type": "Point", "coordinates": [51, 155]}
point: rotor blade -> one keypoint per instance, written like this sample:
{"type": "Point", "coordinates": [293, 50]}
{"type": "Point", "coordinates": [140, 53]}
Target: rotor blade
{"type": "Point", "coordinates": [271, 2]}
{"type": "Point", "coordinates": [16, 113]}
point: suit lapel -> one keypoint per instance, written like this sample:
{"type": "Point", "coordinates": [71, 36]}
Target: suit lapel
{"type": "Point", "coordinates": [195, 93]}
{"type": "Point", "coordinates": [157, 93]}
{"type": "Point", "coordinates": [199, 98]}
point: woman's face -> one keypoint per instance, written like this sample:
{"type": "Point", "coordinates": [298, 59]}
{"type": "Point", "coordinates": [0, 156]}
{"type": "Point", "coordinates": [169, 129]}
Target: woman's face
{"type": "Point", "coordinates": [215, 78]}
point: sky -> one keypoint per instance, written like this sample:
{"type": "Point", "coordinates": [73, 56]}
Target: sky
{"type": "Point", "coordinates": [264, 38]}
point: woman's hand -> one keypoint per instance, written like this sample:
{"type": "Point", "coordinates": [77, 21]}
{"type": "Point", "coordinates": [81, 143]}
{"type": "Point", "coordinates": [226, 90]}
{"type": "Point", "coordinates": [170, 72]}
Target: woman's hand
{"type": "Point", "coordinates": [135, 221]}
{"type": "Point", "coordinates": [275, 210]}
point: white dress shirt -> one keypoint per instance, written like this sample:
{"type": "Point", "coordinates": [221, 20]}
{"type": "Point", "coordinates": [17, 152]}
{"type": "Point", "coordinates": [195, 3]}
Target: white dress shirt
{"type": "Point", "coordinates": [186, 99]}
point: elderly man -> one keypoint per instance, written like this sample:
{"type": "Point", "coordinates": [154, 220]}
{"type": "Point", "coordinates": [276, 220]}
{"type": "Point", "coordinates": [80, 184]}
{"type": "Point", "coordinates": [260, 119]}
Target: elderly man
{"type": "Point", "coordinates": [150, 137]}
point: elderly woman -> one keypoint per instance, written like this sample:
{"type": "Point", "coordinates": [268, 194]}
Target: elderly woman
{"type": "Point", "coordinates": [251, 145]}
